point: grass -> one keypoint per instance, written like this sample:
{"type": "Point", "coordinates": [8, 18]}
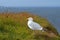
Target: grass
{"type": "Point", "coordinates": [14, 27]}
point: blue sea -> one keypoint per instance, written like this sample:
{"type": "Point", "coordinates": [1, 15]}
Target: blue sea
{"type": "Point", "coordinates": [52, 14]}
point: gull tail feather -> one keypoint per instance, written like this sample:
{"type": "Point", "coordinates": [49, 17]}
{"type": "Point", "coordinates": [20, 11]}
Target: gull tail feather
{"type": "Point", "coordinates": [45, 30]}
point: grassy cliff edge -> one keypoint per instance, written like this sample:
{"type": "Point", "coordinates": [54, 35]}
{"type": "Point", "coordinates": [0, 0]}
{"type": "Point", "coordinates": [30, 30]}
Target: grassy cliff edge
{"type": "Point", "coordinates": [13, 26]}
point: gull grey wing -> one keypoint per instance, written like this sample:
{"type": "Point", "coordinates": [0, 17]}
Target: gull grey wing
{"type": "Point", "coordinates": [35, 25]}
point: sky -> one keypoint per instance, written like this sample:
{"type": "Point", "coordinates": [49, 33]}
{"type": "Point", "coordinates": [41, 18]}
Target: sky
{"type": "Point", "coordinates": [30, 3]}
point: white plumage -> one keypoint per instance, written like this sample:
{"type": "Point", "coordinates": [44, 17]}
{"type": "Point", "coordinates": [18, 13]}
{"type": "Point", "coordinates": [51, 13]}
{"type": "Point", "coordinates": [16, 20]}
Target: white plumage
{"type": "Point", "coordinates": [33, 25]}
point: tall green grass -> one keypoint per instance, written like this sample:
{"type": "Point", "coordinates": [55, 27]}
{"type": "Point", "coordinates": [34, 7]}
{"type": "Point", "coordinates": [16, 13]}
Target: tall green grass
{"type": "Point", "coordinates": [16, 28]}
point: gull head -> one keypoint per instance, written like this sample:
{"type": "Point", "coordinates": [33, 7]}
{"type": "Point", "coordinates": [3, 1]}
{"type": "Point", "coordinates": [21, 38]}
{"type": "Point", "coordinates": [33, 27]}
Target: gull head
{"type": "Point", "coordinates": [30, 19]}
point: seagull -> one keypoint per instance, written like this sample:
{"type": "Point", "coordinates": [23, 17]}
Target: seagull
{"type": "Point", "coordinates": [33, 25]}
